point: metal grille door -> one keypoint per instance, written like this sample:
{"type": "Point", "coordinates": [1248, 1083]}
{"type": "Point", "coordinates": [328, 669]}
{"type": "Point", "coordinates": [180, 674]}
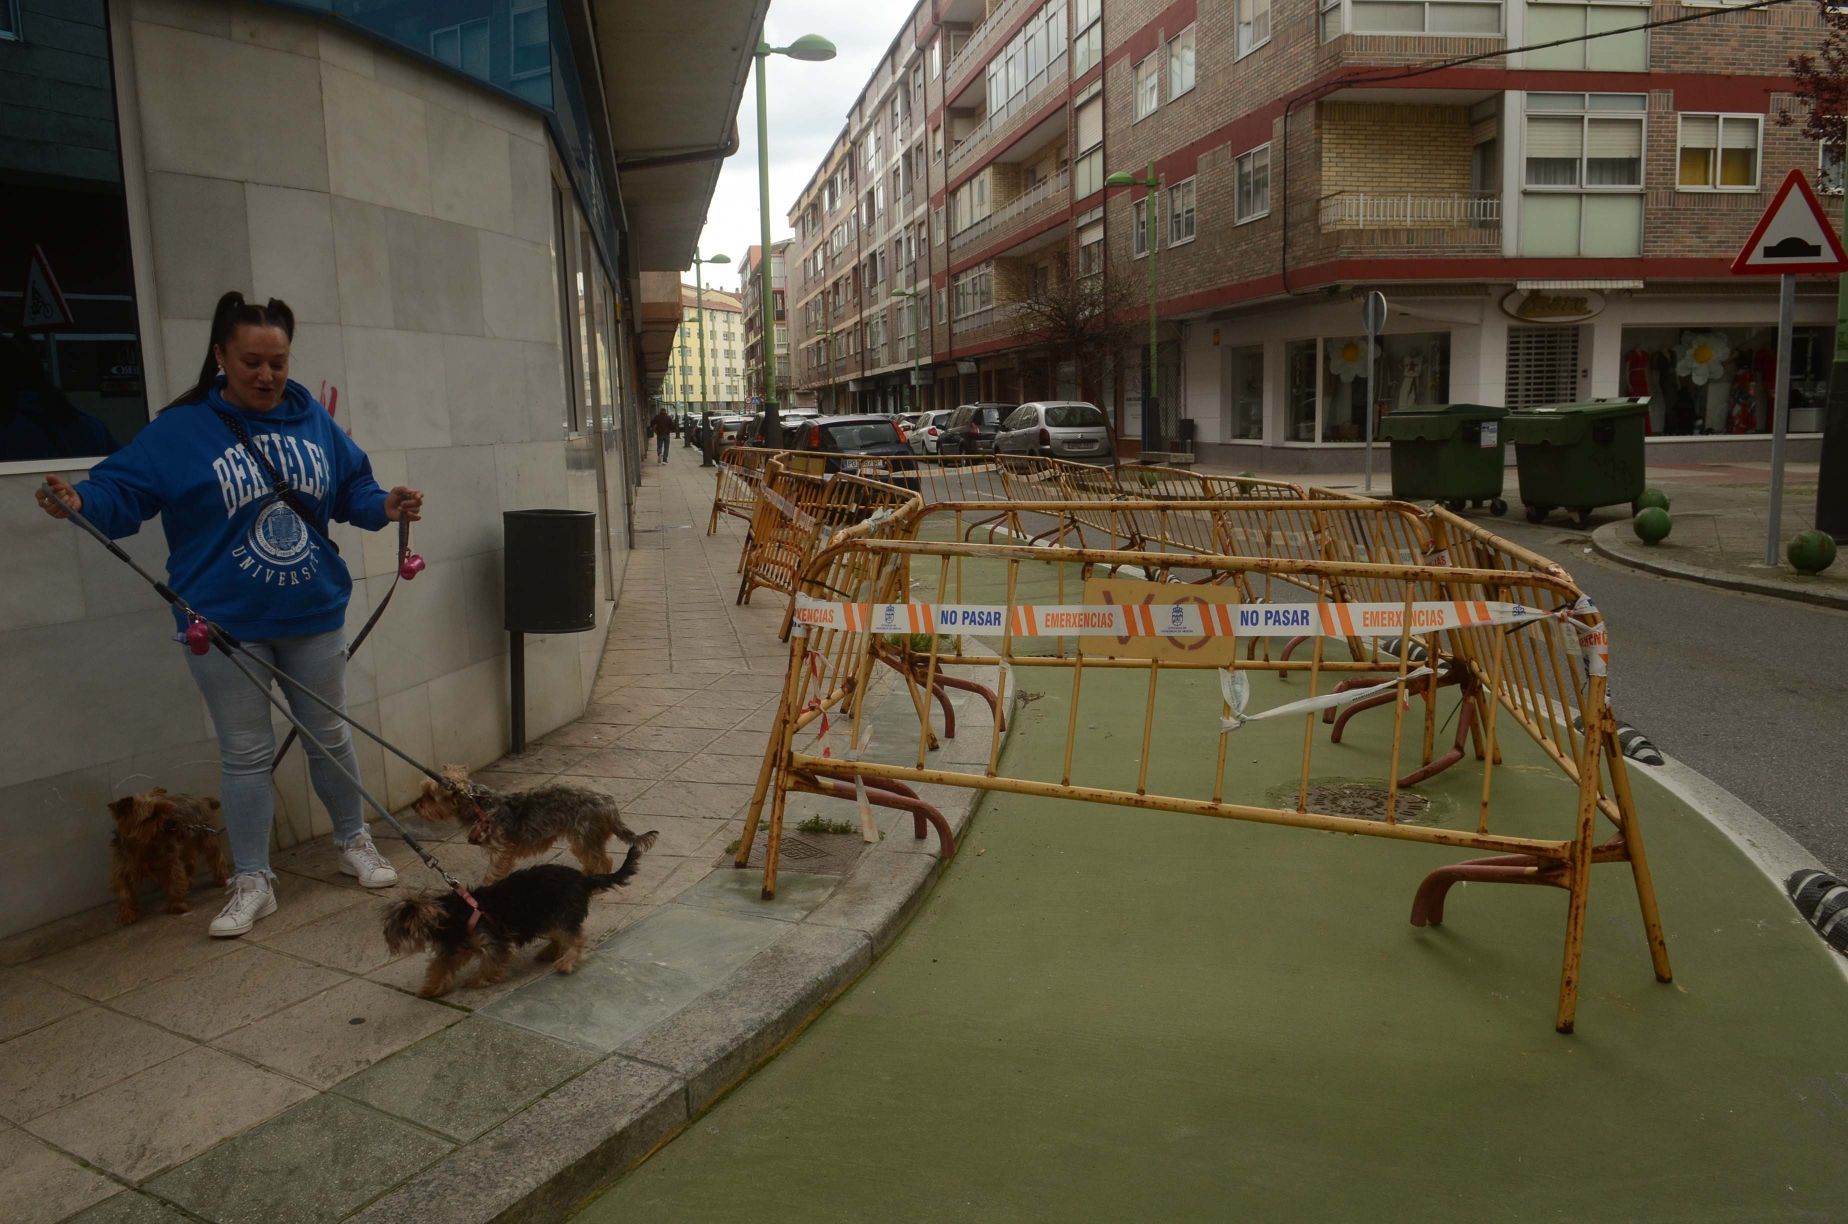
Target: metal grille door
{"type": "Point", "coordinates": [1542, 366]}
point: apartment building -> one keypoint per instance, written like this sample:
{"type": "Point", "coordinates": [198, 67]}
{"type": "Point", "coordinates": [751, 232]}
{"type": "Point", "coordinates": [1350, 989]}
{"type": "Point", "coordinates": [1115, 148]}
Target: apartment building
{"type": "Point", "coordinates": [718, 383]}
{"type": "Point", "coordinates": [1547, 225]}
{"type": "Point", "coordinates": [752, 296]}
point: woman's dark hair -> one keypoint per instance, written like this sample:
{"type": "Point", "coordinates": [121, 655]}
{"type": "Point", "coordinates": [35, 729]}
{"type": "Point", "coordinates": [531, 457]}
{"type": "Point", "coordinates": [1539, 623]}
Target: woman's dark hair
{"type": "Point", "coordinates": [232, 313]}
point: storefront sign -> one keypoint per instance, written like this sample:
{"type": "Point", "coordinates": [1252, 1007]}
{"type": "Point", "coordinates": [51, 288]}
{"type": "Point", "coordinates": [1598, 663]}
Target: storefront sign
{"type": "Point", "coordinates": [1553, 305]}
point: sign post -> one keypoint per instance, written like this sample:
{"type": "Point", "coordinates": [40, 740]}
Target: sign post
{"type": "Point", "coordinates": [1793, 236]}
{"type": "Point", "coordinates": [44, 308]}
{"type": "Point", "coordinates": [1374, 317]}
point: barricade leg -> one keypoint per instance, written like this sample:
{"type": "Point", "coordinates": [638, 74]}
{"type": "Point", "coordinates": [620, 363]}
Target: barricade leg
{"type": "Point", "coordinates": [1428, 902]}
{"type": "Point", "coordinates": [1633, 850]}
{"type": "Point", "coordinates": [1578, 867]}
{"type": "Point", "coordinates": [774, 754]}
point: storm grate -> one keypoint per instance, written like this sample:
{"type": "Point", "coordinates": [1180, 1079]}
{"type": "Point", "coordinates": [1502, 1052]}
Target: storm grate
{"type": "Point", "coordinates": [1364, 801]}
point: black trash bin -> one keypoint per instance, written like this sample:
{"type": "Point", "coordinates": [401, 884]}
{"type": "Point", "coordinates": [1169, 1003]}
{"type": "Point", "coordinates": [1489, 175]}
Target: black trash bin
{"type": "Point", "coordinates": [550, 586]}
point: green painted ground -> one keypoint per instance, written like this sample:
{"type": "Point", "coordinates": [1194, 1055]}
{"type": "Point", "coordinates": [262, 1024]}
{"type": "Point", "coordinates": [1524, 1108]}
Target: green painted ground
{"type": "Point", "coordinates": [1104, 1014]}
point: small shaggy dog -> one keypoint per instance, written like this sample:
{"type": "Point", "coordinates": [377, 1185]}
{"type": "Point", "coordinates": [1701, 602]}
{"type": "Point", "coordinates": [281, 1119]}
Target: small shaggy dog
{"type": "Point", "coordinates": [163, 837]}
{"type": "Point", "coordinates": [520, 824]}
{"type": "Point", "coordinates": [549, 901]}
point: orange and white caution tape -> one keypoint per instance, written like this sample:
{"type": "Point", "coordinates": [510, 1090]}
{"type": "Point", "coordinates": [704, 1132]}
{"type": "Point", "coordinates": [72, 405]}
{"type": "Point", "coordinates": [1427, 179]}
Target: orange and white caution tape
{"type": "Point", "coordinates": [1235, 689]}
{"type": "Point", "coordinates": [787, 508]}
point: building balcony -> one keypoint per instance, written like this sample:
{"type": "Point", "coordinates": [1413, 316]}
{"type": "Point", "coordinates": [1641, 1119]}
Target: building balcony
{"type": "Point", "coordinates": [1455, 223]}
{"type": "Point", "coordinates": [1005, 119]}
{"type": "Point", "coordinates": [985, 38]}
{"type": "Point", "coordinates": [1035, 204]}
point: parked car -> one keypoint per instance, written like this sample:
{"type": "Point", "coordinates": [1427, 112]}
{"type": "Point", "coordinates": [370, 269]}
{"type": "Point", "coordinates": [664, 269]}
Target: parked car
{"type": "Point", "coordinates": [730, 430]}
{"type": "Point", "coordinates": [972, 429]}
{"type": "Point", "coordinates": [929, 430]}
{"type": "Point", "coordinates": [1062, 429]}
{"type": "Point", "coordinates": [852, 436]}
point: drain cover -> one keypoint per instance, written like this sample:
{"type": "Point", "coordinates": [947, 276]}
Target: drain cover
{"type": "Point", "coordinates": [814, 853]}
{"type": "Point", "coordinates": [1363, 801]}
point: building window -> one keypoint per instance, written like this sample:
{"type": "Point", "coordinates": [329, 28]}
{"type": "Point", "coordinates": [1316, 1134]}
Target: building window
{"type": "Point", "coordinates": [936, 58]}
{"type": "Point", "coordinates": [1148, 87]}
{"type": "Point", "coordinates": [1254, 22]}
{"type": "Point", "coordinates": [1244, 397]}
{"type": "Point", "coordinates": [974, 290]}
{"type": "Point", "coordinates": [1829, 168]}
{"type": "Point", "coordinates": [1181, 213]}
{"type": "Point", "coordinates": [1181, 63]}
{"type": "Point", "coordinates": [1088, 34]}
{"type": "Point", "coordinates": [1718, 152]}
{"type": "Point", "coordinates": [9, 20]}
{"type": "Point", "coordinates": [530, 52]}
{"type": "Point", "coordinates": [463, 47]}
{"type": "Point", "coordinates": [1426, 17]}
{"type": "Point", "coordinates": [1583, 176]}
{"type": "Point", "coordinates": [1139, 229]}
{"type": "Point", "coordinates": [936, 143]}
{"type": "Point", "coordinates": [1253, 185]}
{"type": "Point", "coordinates": [1332, 11]}
{"type": "Point", "coordinates": [1090, 250]}
{"type": "Point", "coordinates": [1586, 38]}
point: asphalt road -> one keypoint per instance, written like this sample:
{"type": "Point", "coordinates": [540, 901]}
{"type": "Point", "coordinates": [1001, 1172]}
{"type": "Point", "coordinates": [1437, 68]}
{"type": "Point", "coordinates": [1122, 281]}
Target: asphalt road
{"type": "Point", "coordinates": [1748, 690]}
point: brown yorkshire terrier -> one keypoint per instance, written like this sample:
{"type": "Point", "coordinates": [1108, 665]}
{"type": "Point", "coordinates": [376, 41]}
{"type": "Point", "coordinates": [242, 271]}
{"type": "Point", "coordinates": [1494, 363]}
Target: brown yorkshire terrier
{"type": "Point", "coordinates": [517, 825]}
{"type": "Point", "coordinates": [164, 837]}
{"type": "Point", "coordinates": [550, 901]}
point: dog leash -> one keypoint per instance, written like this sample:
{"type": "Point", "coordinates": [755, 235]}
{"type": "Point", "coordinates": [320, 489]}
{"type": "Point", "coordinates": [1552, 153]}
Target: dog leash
{"type": "Point", "coordinates": [203, 635]}
{"type": "Point", "coordinates": [409, 566]}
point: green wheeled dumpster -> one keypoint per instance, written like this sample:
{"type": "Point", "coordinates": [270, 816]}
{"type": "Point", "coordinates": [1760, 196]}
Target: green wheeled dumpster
{"type": "Point", "coordinates": [1449, 453]}
{"type": "Point", "coordinates": [1578, 457]}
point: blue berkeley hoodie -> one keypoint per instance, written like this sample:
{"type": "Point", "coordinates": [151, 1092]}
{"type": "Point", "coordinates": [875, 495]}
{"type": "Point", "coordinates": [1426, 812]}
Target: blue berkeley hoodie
{"type": "Point", "coordinates": [235, 552]}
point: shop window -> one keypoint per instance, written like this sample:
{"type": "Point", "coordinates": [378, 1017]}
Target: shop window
{"type": "Point", "coordinates": [71, 384]}
{"type": "Point", "coordinates": [1181, 63]}
{"type": "Point", "coordinates": [1254, 25]}
{"type": "Point", "coordinates": [1181, 213]}
{"type": "Point", "coordinates": [1244, 400]}
{"type": "Point", "coordinates": [1148, 87]}
{"type": "Point", "coordinates": [1720, 380]}
{"type": "Point", "coordinates": [1326, 392]}
{"type": "Point", "coordinates": [1252, 185]}
{"type": "Point", "coordinates": [1718, 152]}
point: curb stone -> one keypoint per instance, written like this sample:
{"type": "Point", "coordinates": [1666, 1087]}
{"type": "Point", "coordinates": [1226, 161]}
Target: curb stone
{"type": "Point", "coordinates": [1609, 542]}
{"type": "Point", "coordinates": [544, 1162]}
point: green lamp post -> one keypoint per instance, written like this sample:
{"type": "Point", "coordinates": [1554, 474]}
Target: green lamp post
{"type": "Point", "coordinates": [914, 298]}
{"type": "Point", "coordinates": [1151, 398]}
{"type": "Point", "coordinates": [812, 48]}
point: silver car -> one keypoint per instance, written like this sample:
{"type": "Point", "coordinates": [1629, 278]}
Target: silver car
{"type": "Point", "coordinates": [928, 429]}
{"type": "Point", "coordinates": [1064, 429]}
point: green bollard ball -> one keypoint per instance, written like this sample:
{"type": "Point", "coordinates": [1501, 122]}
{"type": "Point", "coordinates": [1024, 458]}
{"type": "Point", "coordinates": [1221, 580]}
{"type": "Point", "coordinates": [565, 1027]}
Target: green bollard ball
{"type": "Point", "coordinates": [1652, 525]}
{"type": "Point", "coordinates": [1811, 552]}
{"type": "Point", "coordinates": [1652, 497]}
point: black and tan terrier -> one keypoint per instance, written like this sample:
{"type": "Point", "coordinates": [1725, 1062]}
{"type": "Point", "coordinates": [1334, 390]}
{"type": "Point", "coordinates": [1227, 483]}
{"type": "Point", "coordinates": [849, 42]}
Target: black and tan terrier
{"type": "Point", "coordinates": [516, 825]}
{"type": "Point", "coordinates": [550, 901]}
{"type": "Point", "coordinates": [164, 837]}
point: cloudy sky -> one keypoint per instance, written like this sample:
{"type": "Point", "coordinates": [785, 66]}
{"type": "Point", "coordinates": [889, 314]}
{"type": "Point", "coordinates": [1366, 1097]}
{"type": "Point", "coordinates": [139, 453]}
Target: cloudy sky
{"type": "Point", "coordinates": [808, 108]}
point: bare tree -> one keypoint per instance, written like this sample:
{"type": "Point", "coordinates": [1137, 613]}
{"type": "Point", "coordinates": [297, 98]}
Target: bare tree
{"type": "Point", "coordinates": [1822, 85]}
{"type": "Point", "coordinates": [1089, 321]}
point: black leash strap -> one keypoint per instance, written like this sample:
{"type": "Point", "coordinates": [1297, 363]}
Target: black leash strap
{"type": "Point", "coordinates": [231, 648]}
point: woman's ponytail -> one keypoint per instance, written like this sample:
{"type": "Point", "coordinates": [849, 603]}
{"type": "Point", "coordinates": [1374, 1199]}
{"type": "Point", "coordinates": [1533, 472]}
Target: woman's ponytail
{"type": "Point", "coordinates": [231, 313]}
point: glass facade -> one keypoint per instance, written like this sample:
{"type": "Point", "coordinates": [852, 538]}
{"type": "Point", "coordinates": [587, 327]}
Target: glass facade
{"type": "Point", "coordinates": [1326, 382]}
{"type": "Point", "coordinates": [1720, 380]}
{"type": "Point", "coordinates": [70, 347]}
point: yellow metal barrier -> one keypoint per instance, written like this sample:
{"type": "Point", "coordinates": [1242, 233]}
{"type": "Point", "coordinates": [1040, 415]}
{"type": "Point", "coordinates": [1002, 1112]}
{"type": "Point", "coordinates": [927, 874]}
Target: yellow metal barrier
{"type": "Point", "coordinates": [1516, 636]}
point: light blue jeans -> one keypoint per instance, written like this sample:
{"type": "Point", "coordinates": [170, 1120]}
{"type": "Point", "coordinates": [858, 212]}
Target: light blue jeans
{"type": "Point", "coordinates": [241, 714]}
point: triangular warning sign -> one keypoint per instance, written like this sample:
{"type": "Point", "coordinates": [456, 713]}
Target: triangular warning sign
{"type": "Point", "coordinates": [1793, 236]}
{"type": "Point", "coordinates": [45, 308]}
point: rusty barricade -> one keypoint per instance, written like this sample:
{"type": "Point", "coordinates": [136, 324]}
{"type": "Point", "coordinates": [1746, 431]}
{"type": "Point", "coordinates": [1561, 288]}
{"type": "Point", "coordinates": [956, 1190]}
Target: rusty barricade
{"type": "Point", "coordinates": [796, 512]}
{"type": "Point", "coordinates": [1531, 643]}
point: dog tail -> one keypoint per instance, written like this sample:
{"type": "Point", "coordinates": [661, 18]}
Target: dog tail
{"type": "Point", "coordinates": [623, 874]}
{"type": "Point", "coordinates": [641, 841]}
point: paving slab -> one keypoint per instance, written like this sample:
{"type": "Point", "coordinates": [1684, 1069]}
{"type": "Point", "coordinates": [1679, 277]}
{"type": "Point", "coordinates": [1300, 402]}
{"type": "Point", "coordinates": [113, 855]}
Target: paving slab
{"type": "Point", "coordinates": [67, 1060]}
{"type": "Point", "coordinates": [39, 1185]}
{"type": "Point", "coordinates": [327, 1037]}
{"type": "Point", "coordinates": [131, 1207]}
{"type": "Point", "coordinates": [467, 1078]}
{"type": "Point", "coordinates": [320, 1161]}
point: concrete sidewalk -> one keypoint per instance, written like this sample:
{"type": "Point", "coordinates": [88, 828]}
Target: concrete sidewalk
{"type": "Point", "coordinates": [152, 1073]}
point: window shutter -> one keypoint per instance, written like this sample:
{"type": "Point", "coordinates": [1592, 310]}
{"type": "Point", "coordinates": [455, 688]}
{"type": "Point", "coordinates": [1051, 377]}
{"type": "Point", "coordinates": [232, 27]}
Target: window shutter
{"type": "Point", "coordinates": [1090, 124]}
{"type": "Point", "coordinates": [1739, 134]}
{"type": "Point", "coordinates": [1699, 132]}
{"type": "Point", "coordinates": [1613, 139]}
{"type": "Point", "coordinates": [1554, 137]}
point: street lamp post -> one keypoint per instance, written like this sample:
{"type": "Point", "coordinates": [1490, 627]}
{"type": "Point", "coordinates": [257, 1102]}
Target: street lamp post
{"type": "Point", "coordinates": [813, 48]}
{"type": "Point", "coordinates": [699, 292]}
{"type": "Point", "coordinates": [1151, 397]}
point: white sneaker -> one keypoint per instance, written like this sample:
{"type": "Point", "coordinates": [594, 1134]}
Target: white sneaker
{"type": "Point", "coordinates": [362, 859]}
{"type": "Point", "coordinates": [251, 898]}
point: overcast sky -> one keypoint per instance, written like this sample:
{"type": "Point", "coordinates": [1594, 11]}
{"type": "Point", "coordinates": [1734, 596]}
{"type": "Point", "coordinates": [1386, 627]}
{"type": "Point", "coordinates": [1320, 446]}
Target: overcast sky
{"type": "Point", "coordinates": [808, 108]}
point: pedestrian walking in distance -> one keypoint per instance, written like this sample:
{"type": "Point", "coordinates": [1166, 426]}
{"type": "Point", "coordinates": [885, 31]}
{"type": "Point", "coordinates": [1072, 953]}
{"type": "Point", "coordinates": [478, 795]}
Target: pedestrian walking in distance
{"type": "Point", "coordinates": [246, 470]}
{"type": "Point", "coordinates": [663, 429]}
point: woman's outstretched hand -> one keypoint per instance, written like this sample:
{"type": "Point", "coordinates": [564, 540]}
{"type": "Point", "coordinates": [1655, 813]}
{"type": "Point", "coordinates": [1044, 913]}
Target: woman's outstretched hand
{"type": "Point", "coordinates": [404, 505]}
{"type": "Point", "coordinates": [64, 491]}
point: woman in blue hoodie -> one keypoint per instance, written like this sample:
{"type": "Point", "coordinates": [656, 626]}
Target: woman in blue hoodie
{"type": "Point", "coordinates": [246, 470]}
